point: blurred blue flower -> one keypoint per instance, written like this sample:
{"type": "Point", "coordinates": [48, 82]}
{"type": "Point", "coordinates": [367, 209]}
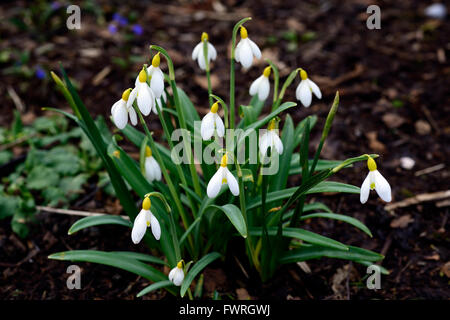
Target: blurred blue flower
{"type": "Point", "coordinates": [112, 28]}
{"type": "Point", "coordinates": [40, 73]}
{"type": "Point", "coordinates": [120, 19]}
{"type": "Point", "coordinates": [137, 29]}
{"type": "Point", "coordinates": [55, 5]}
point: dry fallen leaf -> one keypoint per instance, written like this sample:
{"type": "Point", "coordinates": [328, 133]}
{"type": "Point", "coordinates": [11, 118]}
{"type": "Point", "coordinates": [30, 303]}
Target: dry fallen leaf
{"type": "Point", "coordinates": [422, 127]}
{"type": "Point", "coordinates": [242, 294]}
{"type": "Point", "coordinates": [202, 81]}
{"type": "Point", "coordinates": [374, 144]}
{"type": "Point", "coordinates": [393, 120]}
{"type": "Point", "coordinates": [401, 222]}
{"type": "Point", "coordinates": [434, 257]}
{"type": "Point", "coordinates": [446, 269]}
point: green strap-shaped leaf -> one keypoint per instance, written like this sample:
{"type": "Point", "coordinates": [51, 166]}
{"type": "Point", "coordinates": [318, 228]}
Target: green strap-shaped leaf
{"type": "Point", "coordinates": [155, 286]}
{"type": "Point", "coordinates": [87, 222]}
{"type": "Point", "coordinates": [324, 186]}
{"type": "Point", "coordinates": [316, 252]}
{"type": "Point", "coordinates": [350, 220]}
{"type": "Point", "coordinates": [114, 260]}
{"type": "Point", "coordinates": [140, 256]}
{"type": "Point", "coordinates": [234, 214]}
{"type": "Point", "coordinates": [195, 270]}
{"type": "Point", "coordinates": [304, 235]}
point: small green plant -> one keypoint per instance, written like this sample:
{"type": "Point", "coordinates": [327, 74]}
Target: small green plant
{"type": "Point", "coordinates": [222, 180]}
{"type": "Point", "coordinates": [53, 171]}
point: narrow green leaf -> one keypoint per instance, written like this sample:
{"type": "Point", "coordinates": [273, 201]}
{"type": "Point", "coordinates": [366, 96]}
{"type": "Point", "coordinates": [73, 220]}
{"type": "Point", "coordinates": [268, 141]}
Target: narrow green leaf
{"type": "Point", "coordinates": [98, 220]}
{"type": "Point", "coordinates": [196, 269]}
{"type": "Point", "coordinates": [140, 256]}
{"type": "Point", "coordinates": [234, 214]}
{"type": "Point", "coordinates": [350, 220]}
{"type": "Point", "coordinates": [279, 181]}
{"type": "Point", "coordinates": [155, 286]}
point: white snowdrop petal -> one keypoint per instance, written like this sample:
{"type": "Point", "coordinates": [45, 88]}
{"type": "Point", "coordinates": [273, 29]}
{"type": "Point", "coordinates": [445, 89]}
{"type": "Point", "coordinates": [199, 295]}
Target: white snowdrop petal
{"type": "Point", "coordinates": [157, 82]}
{"type": "Point", "coordinates": [172, 273]}
{"type": "Point", "coordinates": [305, 94]}
{"type": "Point", "coordinates": [144, 99]}
{"type": "Point", "coordinates": [255, 50]}
{"type": "Point", "coordinates": [237, 52]}
{"type": "Point", "coordinates": [196, 51]}
{"type": "Point", "coordinates": [215, 184]}
{"type": "Point", "coordinates": [133, 116]}
{"type": "Point", "coordinates": [156, 228]}
{"type": "Point", "coordinates": [314, 88]}
{"type": "Point", "coordinates": [232, 183]}
{"type": "Point", "coordinates": [277, 143]}
{"type": "Point", "coordinates": [178, 277]}
{"type": "Point", "coordinates": [382, 187]}
{"type": "Point", "coordinates": [132, 97]}
{"type": "Point", "coordinates": [149, 172]}
{"type": "Point", "coordinates": [114, 106]}
{"type": "Point", "coordinates": [246, 55]}
{"type": "Point", "coordinates": [156, 169]}
{"type": "Point", "coordinates": [201, 61]}
{"type": "Point", "coordinates": [120, 115]}
{"type": "Point", "coordinates": [220, 128]}
{"type": "Point", "coordinates": [207, 126]}
{"type": "Point", "coordinates": [139, 227]}
{"type": "Point", "coordinates": [264, 89]}
{"type": "Point", "coordinates": [212, 51]}
{"type": "Point", "coordinates": [365, 190]}
{"type": "Point", "coordinates": [255, 86]}
{"type": "Point", "coordinates": [136, 82]}
{"type": "Point", "coordinates": [264, 143]}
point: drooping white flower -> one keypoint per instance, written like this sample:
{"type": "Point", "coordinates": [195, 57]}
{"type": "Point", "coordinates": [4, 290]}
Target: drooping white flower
{"type": "Point", "coordinates": [152, 168]}
{"type": "Point", "coordinates": [176, 275]}
{"type": "Point", "coordinates": [261, 85]}
{"type": "Point", "coordinates": [199, 55]}
{"type": "Point", "coordinates": [222, 176]}
{"type": "Point", "coordinates": [120, 111]}
{"type": "Point", "coordinates": [270, 139]}
{"type": "Point", "coordinates": [143, 94]}
{"type": "Point", "coordinates": [156, 76]}
{"type": "Point", "coordinates": [306, 88]}
{"type": "Point", "coordinates": [212, 122]}
{"type": "Point", "coordinates": [143, 220]}
{"type": "Point", "coordinates": [246, 49]}
{"type": "Point", "coordinates": [375, 180]}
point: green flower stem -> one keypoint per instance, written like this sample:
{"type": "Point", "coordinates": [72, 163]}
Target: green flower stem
{"type": "Point", "coordinates": [232, 69]}
{"type": "Point", "coordinates": [170, 184]}
{"type": "Point", "coordinates": [248, 240]}
{"type": "Point", "coordinates": [225, 108]}
{"type": "Point", "coordinates": [286, 84]}
{"type": "Point", "coordinates": [276, 80]}
{"type": "Point", "coordinates": [208, 73]}
{"type": "Point", "coordinates": [173, 229]}
{"type": "Point", "coordinates": [181, 118]}
{"type": "Point", "coordinates": [179, 170]}
{"type": "Point", "coordinates": [326, 130]}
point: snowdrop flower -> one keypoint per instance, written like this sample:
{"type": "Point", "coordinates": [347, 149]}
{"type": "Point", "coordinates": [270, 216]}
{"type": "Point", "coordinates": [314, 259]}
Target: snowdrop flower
{"type": "Point", "coordinates": [199, 55]}
{"type": "Point", "coordinates": [270, 139]}
{"type": "Point", "coordinates": [305, 89]}
{"type": "Point", "coordinates": [176, 275]}
{"type": "Point", "coordinates": [375, 180]}
{"type": "Point", "coordinates": [156, 77]}
{"type": "Point", "coordinates": [152, 168]}
{"type": "Point", "coordinates": [143, 94]}
{"type": "Point", "coordinates": [246, 49]}
{"type": "Point", "coordinates": [212, 122]}
{"type": "Point", "coordinates": [261, 85]}
{"type": "Point", "coordinates": [145, 219]}
{"type": "Point", "coordinates": [120, 111]}
{"type": "Point", "coordinates": [160, 101]}
{"type": "Point", "coordinates": [222, 176]}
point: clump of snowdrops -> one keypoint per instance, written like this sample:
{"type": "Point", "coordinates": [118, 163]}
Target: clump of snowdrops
{"type": "Point", "coordinates": [210, 180]}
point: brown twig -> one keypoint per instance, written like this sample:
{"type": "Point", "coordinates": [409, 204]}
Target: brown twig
{"type": "Point", "coordinates": [418, 199]}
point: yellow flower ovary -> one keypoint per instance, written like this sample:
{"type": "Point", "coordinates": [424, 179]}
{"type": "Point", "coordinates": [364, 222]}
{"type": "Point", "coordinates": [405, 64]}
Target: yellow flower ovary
{"type": "Point", "coordinates": [266, 72]}
{"type": "Point", "coordinates": [205, 36]}
{"type": "Point", "coordinates": [303, 74]}
{"type": "Point", "coordinates": [143, 75]}
{"type": "Point", "coordinates": [272, 124]}
{"type": "Point", "coordinates": [371, 164]}
{"type": "Point", "coordinates": [146, 204]}
{"type": "Point", "coordinates": [156, 60]}
{"type": "Point", "coordinates": [215, 107]}
{"type": "Point", "coordinates": [180, 265]}
{"type": "Point", "coordinates": [126, 94]}
{"type": "Point", "coordinates": [148, 152]}
{"type": "Point", "coordinates": [244, 33]}
{"type": "Point", "coordinates": [223, 162]}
